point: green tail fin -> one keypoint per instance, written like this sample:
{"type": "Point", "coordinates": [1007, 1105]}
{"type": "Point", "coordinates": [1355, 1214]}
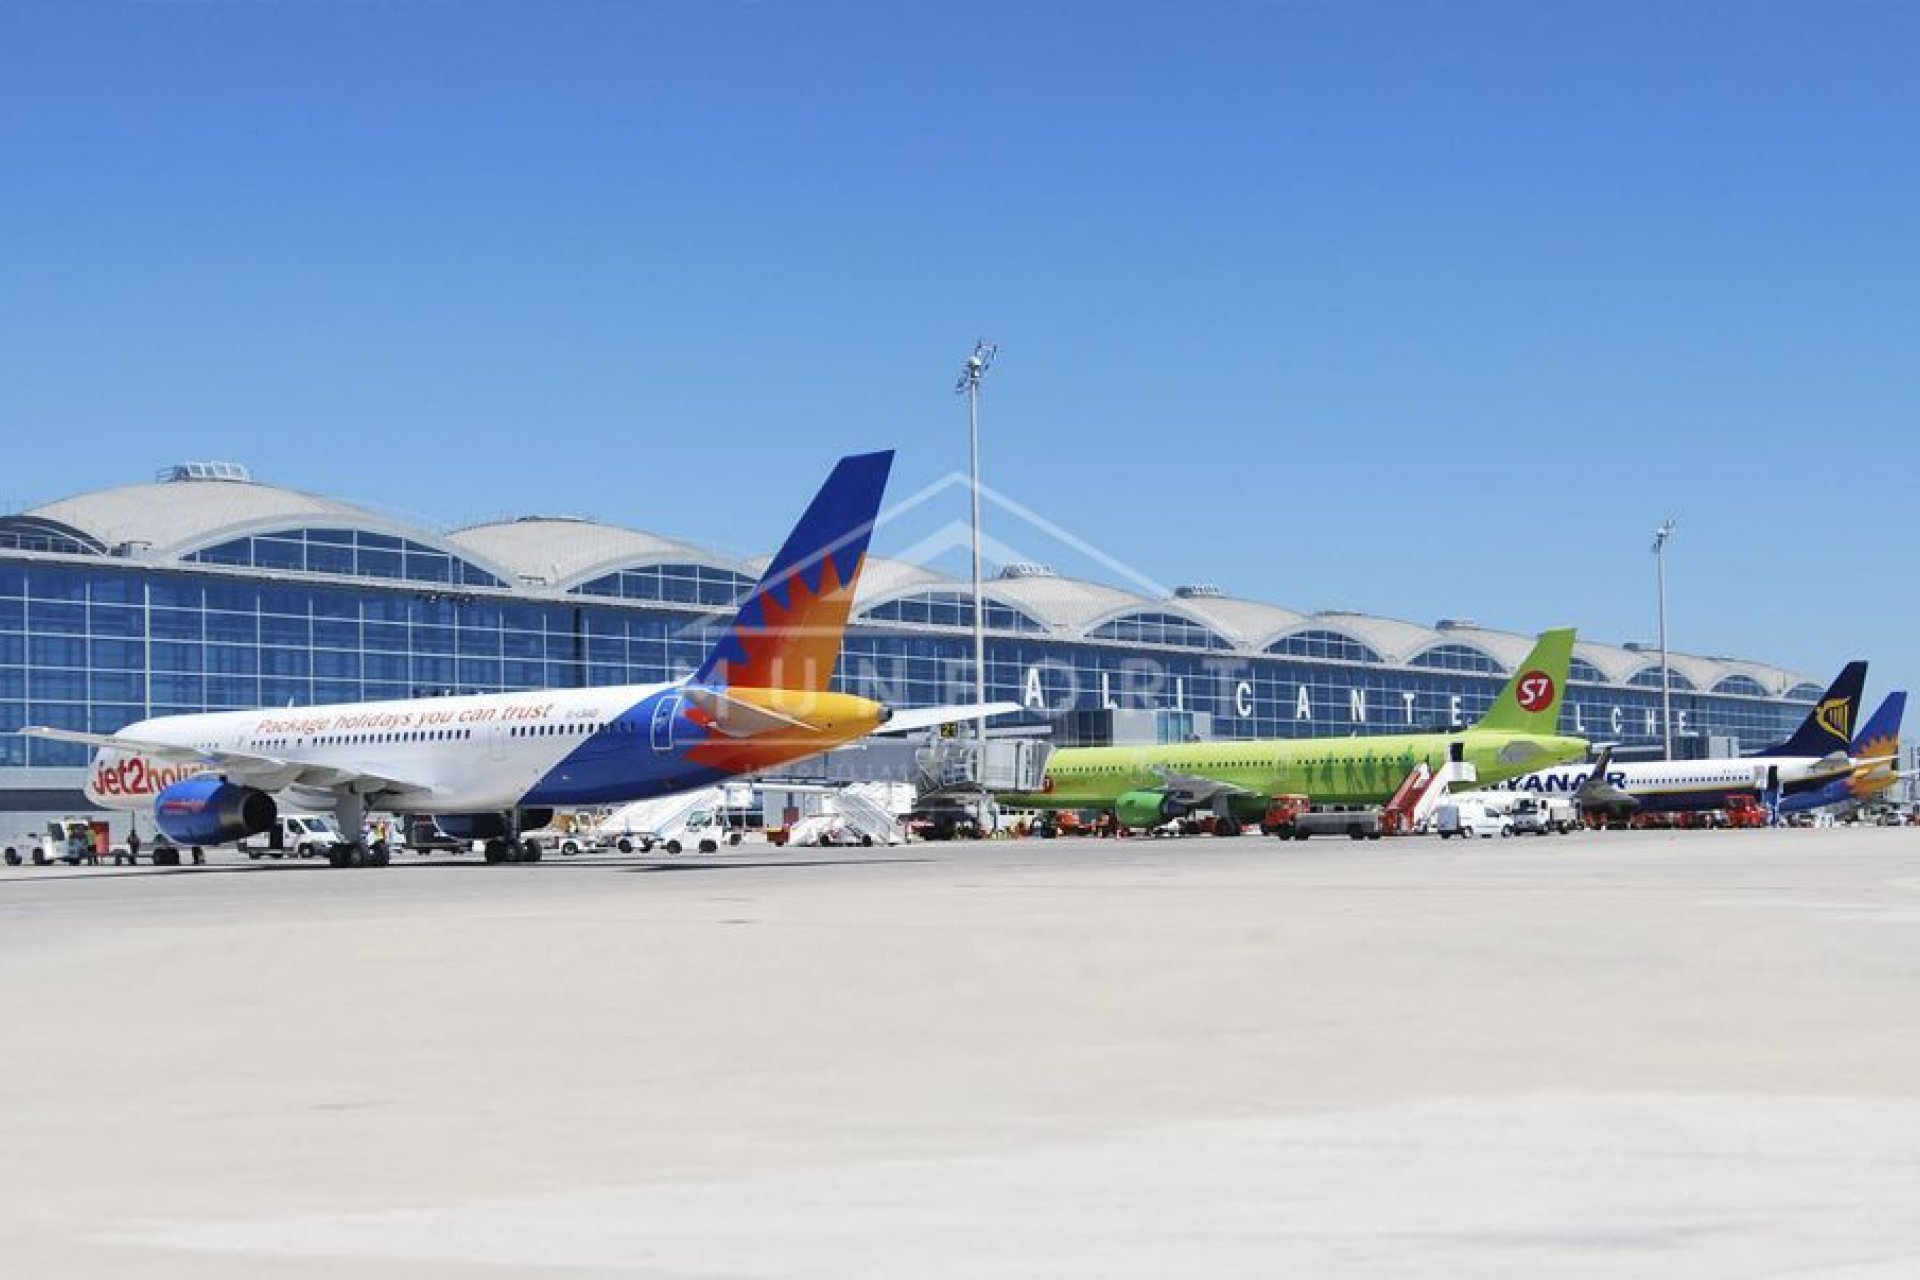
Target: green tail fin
{"type": "Point", "coordinates": [1531, 701]}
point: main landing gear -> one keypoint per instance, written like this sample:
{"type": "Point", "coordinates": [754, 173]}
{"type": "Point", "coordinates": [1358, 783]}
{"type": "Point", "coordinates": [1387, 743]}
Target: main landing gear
{"type": "Point", "coordinates": [376, 854]}
{"type": "Point", "coordinates": [520, 849]}
{"type": "Point", "coordinates": [350, 811]}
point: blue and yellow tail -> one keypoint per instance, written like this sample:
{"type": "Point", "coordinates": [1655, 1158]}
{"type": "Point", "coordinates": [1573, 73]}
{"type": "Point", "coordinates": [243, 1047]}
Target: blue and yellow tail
{"type": "Point", "coordinates": [787, 633]}
{"type": "Point", "coordinates": [1879, 744]}
{"type": "Point", "coordinates": [1881, 734]}
{"type": "Point", "coordinates": [1829, 726]}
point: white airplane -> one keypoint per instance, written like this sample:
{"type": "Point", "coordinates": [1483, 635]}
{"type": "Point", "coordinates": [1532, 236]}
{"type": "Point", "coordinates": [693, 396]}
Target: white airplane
{"type": "Point", "coordinates": [488, 766]}
{"type": "Point", "coordinates": [1817, 752]}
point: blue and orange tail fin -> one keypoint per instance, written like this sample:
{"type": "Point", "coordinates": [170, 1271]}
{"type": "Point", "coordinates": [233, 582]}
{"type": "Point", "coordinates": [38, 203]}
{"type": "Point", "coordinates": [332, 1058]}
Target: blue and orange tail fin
{"type": "Point", "coordinates": [787, 633]}
{"type": "Point", "coordinates": [1881, 734]}
{"type": "Point", "coordinates": [1829, 726]}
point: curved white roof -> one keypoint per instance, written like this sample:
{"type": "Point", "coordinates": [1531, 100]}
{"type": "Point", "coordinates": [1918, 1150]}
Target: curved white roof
{"type": "Point", "coordinates": [181, 516]}
{"type": "Point", "coordinates": [1069, 604]}
{"type": "Point", "coordinates": [1246, 622]}
{"type": "Point", "coordinates": [1395, 641]}
{"type": "Point", "coordinates": [1620, 664]}
{"type": "Point", "coordinates": [1171, 607]}
{"type": "Point", "coordinates": [562, 552]}
{"type": "Point", "coordinates": [1701, 673]}
{"type": "Point", "coordinates": [1773, 679]}
{"type": "Point", "coordinates": [1504, 647]}
{"type": "Point", "coordinates": [177, 517]}
{"type": "Point", "coordinates": [1617, 664]}
{"type": "Point", "coordinates": [883, 580]}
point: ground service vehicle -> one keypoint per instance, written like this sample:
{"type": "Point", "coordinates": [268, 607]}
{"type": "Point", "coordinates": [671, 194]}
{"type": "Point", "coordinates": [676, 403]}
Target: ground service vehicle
{"type": "Point", "coordinates": [1064, 823]}
{"type": "Point", "coordinates": [301, 835]}
{"type": "Point", "coordinates": [672, 823]}
{"type": "Point", "coordinates": [1745, 811]}
{"type": "Point", "coordinates": [1470, 818]}
{"type": "Point", "coordinates": [1542, 815]}
{"type": "Point", "coordinates": [75, 840]}
{"type": "Point", "coordinates": [1293, 817]}
{"type": "Point", "coordinates": [423, 835]}
{"type": "Point", "coordinates": [68, 840]}
{"type": "Point", "coordinates": [565, 841]}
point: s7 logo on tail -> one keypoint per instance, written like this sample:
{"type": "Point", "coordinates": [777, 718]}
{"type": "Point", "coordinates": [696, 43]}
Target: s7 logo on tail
{"type": "Point", "coordinates": [1534, 691]}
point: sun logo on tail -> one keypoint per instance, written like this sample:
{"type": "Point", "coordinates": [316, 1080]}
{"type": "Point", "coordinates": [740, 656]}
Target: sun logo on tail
{"type": "Point", "coordinates": [792, 643]}
{"type": "Point", "coordinates": [1871, 779]}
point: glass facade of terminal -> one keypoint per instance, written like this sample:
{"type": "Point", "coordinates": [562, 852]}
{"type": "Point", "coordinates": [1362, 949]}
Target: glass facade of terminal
{"type": "Point", "coordinates": [96, 646]}
{"type": "Point", "coordinates": [1262, 696]}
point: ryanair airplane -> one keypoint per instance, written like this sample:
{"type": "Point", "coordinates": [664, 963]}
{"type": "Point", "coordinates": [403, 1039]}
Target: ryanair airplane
{"type": "Point", "coordinates": [1817, 752]}
{"type": "Point", "coordinates": [492, 765]}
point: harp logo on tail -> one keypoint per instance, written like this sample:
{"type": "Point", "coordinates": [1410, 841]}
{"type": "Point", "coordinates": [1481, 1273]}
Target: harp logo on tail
{"type": "Point", "coordinates": [1835, 715]}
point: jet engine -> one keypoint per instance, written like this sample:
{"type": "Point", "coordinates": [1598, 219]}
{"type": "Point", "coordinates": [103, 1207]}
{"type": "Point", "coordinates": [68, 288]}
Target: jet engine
{"type": "Point", "coordinates": [209, 810]}
{"type": "Point", "coordinates": [1146, 808]}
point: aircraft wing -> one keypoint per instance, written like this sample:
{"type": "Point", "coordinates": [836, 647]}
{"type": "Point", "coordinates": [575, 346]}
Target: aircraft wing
{"type": "Point", "coordinates": [269, 772]}
{"type": "Point", "coordinates": [1190, 789]}
{"type": "Point", "coordinates": [931, 717]}
{"type": "Point", "coordinates": [154, 750]}
{"type": "Point", "coordinates": [1520, 751]}
{"type": "Point", "coordinates": [1839, 762]}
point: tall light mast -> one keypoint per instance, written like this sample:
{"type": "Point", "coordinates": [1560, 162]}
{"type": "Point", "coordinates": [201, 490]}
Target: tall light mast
{"type": "Point", "coordinates": [969, 386]}
{"type": "Point", "coordinates": [1660, 536]}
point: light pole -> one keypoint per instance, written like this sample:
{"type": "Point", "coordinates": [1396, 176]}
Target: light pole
{"type": "Point", "coordinates": [969, 386]}
{"type": "Point", "coordinates": [1660, 536]}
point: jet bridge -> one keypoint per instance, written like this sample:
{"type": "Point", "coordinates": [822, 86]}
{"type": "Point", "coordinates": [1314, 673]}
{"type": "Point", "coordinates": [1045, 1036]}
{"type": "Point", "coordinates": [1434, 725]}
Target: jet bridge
{"type": "Point", "coordinates": [957, 778]}
{"type": "Point", "coordinates": [952, 765]}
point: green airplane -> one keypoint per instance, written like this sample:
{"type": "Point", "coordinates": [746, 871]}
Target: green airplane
{"type": "Point", "coordinates": [1145, 786]}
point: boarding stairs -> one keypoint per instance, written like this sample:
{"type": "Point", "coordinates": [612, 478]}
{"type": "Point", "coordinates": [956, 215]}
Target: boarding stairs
{"type": "Point", "coordinates": [1398, 816]}
{"type": "Point", "coordinates": [1423, 790]}
{"type": "Point", "coordinates": [865, 810]}
{"type": "Point", "coordinates": [659, 818]}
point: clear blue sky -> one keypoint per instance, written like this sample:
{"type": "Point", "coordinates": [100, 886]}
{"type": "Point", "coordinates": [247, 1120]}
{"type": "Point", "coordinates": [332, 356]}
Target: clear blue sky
{"type": "Point", "coordinates": [1424, 309]}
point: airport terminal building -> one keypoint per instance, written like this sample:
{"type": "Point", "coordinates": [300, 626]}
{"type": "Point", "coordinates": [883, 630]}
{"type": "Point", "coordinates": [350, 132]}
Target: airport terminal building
{"type": "Point", "coordinates": [208, 591]}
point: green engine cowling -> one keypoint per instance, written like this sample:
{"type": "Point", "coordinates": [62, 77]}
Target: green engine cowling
{"type": "Point", "coordinates": [1145, 808]}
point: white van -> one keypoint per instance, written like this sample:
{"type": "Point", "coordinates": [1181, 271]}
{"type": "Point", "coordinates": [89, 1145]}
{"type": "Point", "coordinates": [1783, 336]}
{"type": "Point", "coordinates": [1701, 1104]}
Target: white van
{"type": "Point", "coordinates": [1470, 818]}
{"type": "Point", "coordinates": [302, 835]}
